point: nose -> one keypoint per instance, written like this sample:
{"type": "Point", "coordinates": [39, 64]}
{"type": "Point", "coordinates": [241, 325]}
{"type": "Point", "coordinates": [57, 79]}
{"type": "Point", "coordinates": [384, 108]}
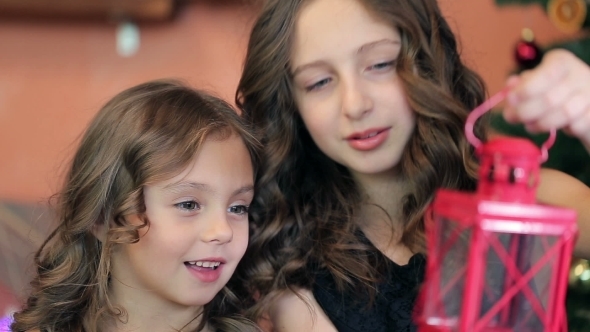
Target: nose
{"type": "Point", "coordinates": [216, 229]}
{"type": "Point", "coordinates": [356, 103]}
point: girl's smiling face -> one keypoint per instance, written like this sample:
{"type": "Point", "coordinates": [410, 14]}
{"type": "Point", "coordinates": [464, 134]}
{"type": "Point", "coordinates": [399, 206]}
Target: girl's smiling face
{"type": "Point", "coordinates": [197, 232]}
{"type": "Point", "coordinates": [346, 86]}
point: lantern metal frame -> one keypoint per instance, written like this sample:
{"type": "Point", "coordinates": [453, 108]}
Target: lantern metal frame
{"type": "Point", "coordinates": [476, 222]}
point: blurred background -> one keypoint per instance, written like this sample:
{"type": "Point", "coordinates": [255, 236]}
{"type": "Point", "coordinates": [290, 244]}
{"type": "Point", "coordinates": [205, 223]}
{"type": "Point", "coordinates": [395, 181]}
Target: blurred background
{"type": "Point", "coordinates": [61, 60]}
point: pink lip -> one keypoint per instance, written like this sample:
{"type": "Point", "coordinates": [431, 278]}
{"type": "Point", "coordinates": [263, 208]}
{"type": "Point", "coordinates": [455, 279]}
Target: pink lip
{"type": "Point", "coordinates": [206, 274]}
{"type": "Point", "coordinates": [357, 142]}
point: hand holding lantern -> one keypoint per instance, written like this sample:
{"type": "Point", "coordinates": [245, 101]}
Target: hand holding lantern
{"type": "Point", "coordinates": [497, 260]}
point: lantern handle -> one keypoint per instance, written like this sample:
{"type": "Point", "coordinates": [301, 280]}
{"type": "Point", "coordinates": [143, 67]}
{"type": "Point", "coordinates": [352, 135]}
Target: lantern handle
{"type": "Point", "coordinates": [486, 106]}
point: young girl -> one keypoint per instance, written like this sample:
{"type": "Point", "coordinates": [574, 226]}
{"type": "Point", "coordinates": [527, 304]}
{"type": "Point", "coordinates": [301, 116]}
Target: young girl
{"type": "Point", "coordinates": [153, 219]}
{"type": "Point", "coordinates": [362, 106]}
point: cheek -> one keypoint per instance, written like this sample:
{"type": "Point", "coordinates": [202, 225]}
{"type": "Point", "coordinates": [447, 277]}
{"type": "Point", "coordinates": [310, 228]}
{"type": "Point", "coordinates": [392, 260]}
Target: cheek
{"type": "Point", "coordinates": [241, 238]}
{"type": "Point", "coordinates": [319, 123]}
{"type": "Point", "coordinates": [317, 111]}
{"type": "Point", "coordinates": [161, 240]}
{"type": "Point", "coordinates": [400, 104]}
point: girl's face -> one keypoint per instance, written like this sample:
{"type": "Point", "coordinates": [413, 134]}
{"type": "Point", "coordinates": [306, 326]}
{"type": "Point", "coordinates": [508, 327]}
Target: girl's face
{"type": "Point", "coordinates": [346, 85]}
{"type": "Point", "coordinates": [197, 233]}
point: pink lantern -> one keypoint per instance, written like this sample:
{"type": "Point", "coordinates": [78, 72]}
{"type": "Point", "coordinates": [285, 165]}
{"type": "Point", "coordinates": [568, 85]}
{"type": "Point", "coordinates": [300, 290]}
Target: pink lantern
{"type": "Point", "coordinates": [497, 260]}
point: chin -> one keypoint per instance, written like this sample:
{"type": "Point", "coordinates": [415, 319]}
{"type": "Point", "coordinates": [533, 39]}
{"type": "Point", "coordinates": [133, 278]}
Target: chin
{"type": "Point", "coordinates": [378, 168]}
{"type": "Point", "coordinates": [200, 297]}
{"type": "Point", "coordinates": [198, 302]}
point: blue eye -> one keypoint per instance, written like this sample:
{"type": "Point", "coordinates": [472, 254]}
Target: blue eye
{"type": "Point", "coordinates": [238, 209]}
{"type": "Point", "coordinates": [383, 65]}
{"type": "Point", "coordinates": [318, 85]}
{"type": "Point", "coordinates": [188, 205]}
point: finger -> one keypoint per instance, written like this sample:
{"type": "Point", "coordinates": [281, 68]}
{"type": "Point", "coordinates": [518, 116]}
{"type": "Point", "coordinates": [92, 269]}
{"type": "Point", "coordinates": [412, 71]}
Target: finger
{"type": "Point", "coordinates": [554, 68]}
{"type": "Point", "coordinates": [576, 107]}
{"type": "Point", "coordinates": [509, 112]}
{"type": "Point", "coordinates": [561, 106]}
{"type": "Point", "coordinates": [512, 81]}
{"type": "Point", "coordinates": [530, 110]}
{"type": "Point", "coordinates": [552, 120]}
{"type": "Point", "coordinates": [581, 128]}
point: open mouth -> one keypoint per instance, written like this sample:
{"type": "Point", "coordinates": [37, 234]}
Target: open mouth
{"type": "Point", "coordinates": [203, 264]}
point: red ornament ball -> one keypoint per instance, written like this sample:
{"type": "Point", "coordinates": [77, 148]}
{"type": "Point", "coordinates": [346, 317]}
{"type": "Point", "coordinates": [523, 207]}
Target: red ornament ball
{"type": "Point", "coordinates": [526, 52]}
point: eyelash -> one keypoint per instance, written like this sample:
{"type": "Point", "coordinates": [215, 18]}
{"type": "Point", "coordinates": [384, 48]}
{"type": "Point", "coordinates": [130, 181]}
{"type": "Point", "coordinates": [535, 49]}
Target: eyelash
{"type": "Point", "coordinates": [318, 84]}
{"type": "Point", "coordinates": [321, 83]}
{"type": "Point", "coordinates": [182, 205]}
{"type": "Point", "coordinates": [243, 209]}
{"type": "Point", "coordinates": [383, 65]}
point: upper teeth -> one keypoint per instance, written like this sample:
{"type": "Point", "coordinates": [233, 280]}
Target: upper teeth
{"type": "Point", "coordinates": [370, 135]}
{"type": "Point", "coordinates": [205, 263]}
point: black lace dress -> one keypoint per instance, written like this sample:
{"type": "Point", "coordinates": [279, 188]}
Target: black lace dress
{"type": "Point", "coordinates": [393, 306]}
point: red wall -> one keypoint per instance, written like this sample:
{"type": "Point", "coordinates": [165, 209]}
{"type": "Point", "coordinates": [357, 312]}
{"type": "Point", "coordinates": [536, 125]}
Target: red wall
{"type": "Point", "coordinates": [54, 76]}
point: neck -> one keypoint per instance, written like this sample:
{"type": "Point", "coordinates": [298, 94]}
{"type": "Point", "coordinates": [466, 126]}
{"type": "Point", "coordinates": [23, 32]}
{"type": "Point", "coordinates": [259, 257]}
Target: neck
{"type": "Point", "coordinates": [381, 215]}
{"type": "Point", "coordinates": [382, 197]}
{"type": "Point", "coordinates": [144, 313]}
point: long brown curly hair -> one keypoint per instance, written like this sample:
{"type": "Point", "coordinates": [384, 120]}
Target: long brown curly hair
{"type": "Point", "coordinates": [147, 133]}
{"type": "Point", "coordinates": [303, 215]}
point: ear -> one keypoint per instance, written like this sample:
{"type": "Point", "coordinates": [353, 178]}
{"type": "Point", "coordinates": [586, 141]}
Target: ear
{"type": "Point", "coordinates": [99, 230]}
{"type": "Point", "coordinates": [138, 219]}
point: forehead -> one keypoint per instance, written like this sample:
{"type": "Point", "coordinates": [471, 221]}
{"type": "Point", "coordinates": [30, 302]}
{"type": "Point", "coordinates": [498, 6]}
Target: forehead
{"type": "Point", "coordinates": [327, 27]}
{"type": "Point", "coordinates": [218, 157]}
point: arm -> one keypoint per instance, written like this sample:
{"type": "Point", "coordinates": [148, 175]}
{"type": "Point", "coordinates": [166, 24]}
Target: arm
{"type": "Point", "coordinates": [559, 189]}
{"type": "Point", "coordinates": [291, 313]}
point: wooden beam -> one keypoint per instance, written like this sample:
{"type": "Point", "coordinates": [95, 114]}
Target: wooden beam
{"type": "Point", "coordinates": [141, 10]}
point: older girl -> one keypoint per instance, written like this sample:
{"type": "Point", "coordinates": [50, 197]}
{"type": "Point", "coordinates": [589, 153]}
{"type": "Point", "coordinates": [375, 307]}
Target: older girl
{"type": "Point", "coordinates": [362, 105]}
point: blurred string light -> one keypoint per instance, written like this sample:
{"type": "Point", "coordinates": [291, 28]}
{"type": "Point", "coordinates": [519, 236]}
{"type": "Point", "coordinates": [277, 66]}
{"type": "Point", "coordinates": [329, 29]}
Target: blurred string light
{"type": "Point", "coordinates": [128, 39]}
{"type": "Point", "coordinates": [580, 272]}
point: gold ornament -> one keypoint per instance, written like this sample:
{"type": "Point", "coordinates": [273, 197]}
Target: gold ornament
{"type": "Point", "coordinates": [579, 273]}
{"type": "Point", "coordinates": [567, 15]}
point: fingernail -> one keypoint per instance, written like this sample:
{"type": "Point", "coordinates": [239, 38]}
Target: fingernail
{"type": "Point", "coordinates": [508, 114]}
{"type": "Point", "coordinates": [512, 99]}
{"type": "Point", "coordinates": [512, 81]}
{"type": "Point", "coordinates": [531, 128]}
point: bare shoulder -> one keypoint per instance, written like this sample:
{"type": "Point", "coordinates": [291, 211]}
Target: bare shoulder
{"type": "Point", "coordinates": [560, 189]}
{"type": "Point", "coordinates": [551, 178]}
{"type": "Point", "coordinates": [299, 312]}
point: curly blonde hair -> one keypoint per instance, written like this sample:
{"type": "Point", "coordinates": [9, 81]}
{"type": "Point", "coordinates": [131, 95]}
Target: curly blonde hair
{"type": "Point", "coordinates": [147, 133]}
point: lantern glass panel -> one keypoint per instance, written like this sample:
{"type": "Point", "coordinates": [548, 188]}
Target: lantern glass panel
{"type": "Point", "coordinates": [452, 248]}
{"type": "Point", "coordinates": [517, 284]}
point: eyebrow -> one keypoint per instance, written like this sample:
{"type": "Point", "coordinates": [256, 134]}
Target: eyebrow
{"type": "Point", "coordinates": [180, 186]}
{"type": "Point", "coordinates": [377, 43]}
{"type": "Point", "coordinates": [243, 190]}
{"type": "Point", "coordinates": [361, 49]}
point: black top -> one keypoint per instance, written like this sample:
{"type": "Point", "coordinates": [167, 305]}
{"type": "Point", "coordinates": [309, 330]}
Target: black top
{"type": "Point", "coordinates": [393, 306]}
